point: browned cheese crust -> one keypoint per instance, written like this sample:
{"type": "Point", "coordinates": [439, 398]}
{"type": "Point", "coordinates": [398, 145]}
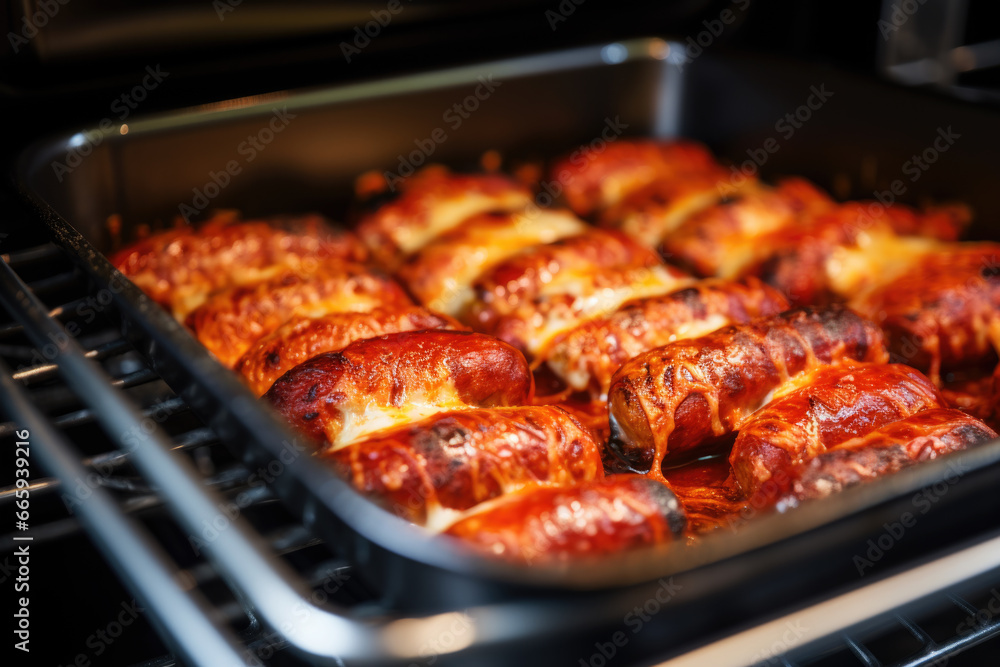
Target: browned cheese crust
{"type": "Point", "coordinates": [683, 395]}
{"type": "Point", "coordinates": [179, 268]}
{"type": "Point", "coordinates": [440, 275]}
{"type": "Point", "coordinates": [530, 298]}
{"type": "Point", "coordinates": [594, 180]}
{"type": "Point", "coordinates": [302, 338]}
{"type": "Point", "coordinates": [944, 313]}
{"type": "Point", "coordinates": [455, 460]}
{"type": "Point", "coordinates": [549, 524]}
{"type": "Point", "coordinates": [379, 383]}
{"type": "Point", "coordinates": [833, 405]}
{"type": "Point", "coordinates": [923, 436]}
{"type": "Point", "coordinates": [588, 355]}
{"type": "Point", "coordinates": [431, 202]}
{"type": "Point", "coordinates": [722, 240]}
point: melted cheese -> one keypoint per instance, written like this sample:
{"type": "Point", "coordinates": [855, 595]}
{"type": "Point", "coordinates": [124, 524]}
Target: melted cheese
{"type": "Point", "coordinates": [486, 246]}
{"type": "Point", "coordinates": [878, 259]}
{"type": "Point", "coordinates": [699, 327]}
{"type": "Point", "coordinates": [188, 297]}
{"type": "Point", "coordinates": [592, 300]}
{"type": "Point", "coordinates": [574, 369]}
{"type": "Point", "coordinates": [340, 303]}
{"type": "Point", "coordinates": [448, 213]}
{"type": "Point", "coordinates": [439, 518]}
{"type": "Point", "coordinates": [362, 421]}
{"type": "Point", "coordinates": [651, 226]}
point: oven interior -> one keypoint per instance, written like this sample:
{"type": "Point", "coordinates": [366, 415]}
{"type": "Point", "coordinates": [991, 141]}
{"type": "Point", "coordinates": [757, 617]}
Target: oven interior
{"type": "Point", "coordinates": [856, 144]}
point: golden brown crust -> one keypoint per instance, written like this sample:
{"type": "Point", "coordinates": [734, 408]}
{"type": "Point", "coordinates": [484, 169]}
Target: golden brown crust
{"type": "Point", "coordinates": [833, 405]}
{"type": "Point", "coordinates": [593, 180]}
{"type": "Point", "coordinates": [594, 518]}
{"type": "Point", "coordinates": [431, 202]}
{"type": "Point", "coordinates": [302, 338]}
{"type": "Point", "coordinates": [233, 319]}
{"type": "Point", "coordinates": [895, 446]}
{"type": "Point", "coordinates": [378, 383]}
{"type": "Point", "coordinates": [420, 418]}
{"type": "Point", "coordinates": [721, 239]}
{"type": "Point", "coordinates": [655, 211]}
{"type": "Point", "coordinates": [456, 460]}
{"type": "Point", "coordinates": [531, 297]}
{"type": "Point", "coordinates": [684, 394]}
{"type": "Point", "coordinates": [844, 250]}
{"type": "Point", "coordinates": [440, 275]}
{"type": "Point", "coordinates": [180, 267]}
{"type": "Point", "coordinates": [587, 356]}
{"type": "Point", "coordinates": [944, 313]}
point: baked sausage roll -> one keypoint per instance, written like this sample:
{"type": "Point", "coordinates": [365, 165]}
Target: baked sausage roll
{"type": "Point", "coordinates": [302, 338]}
{"type": "Point", "coordinates": [832, 405]}
{"type": "Point", "coordinates": [231, 320]}
{"type": "Point", "coordinates": [179, 268]}
{"type": "Point", "coordinates": [943, 312]}
{"type": "Point", "coordinates": [685, 394]}
{"type": "Point", "coordinates": [440, 275]}
{"type": "Point", "coordinates": [549, 524]}
{"type": "Point", "coordinates": [594, 180]}
{"type": "Point", "coordinates": [431, 470]}
{"type": "Point", "coordinates": [530, 298]}
{"type": "Point", "coordinates": [722, 239]}
{"type": "Point", "coordinates": [379, 383]}
{"type": "Point", "coordinates": [586, 356]}
{"type": "Point", "coordinates": [431, 202]}
{"type": "Point", "coordinates": [895, 446]}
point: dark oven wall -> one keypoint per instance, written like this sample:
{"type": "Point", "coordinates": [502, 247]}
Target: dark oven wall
{"type": "Point", "coordinates": [68, 64]}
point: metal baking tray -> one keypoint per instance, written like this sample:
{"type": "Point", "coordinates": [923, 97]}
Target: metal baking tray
{"type": "Point", "coordinates": [851, 135]}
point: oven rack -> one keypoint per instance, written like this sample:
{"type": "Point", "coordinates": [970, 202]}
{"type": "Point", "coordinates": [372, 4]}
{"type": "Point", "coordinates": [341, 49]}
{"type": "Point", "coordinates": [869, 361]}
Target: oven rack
{"type": "Point", "coordinates": [42, 289]}
{"type": "Point", "coordinates": [119, 503]}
